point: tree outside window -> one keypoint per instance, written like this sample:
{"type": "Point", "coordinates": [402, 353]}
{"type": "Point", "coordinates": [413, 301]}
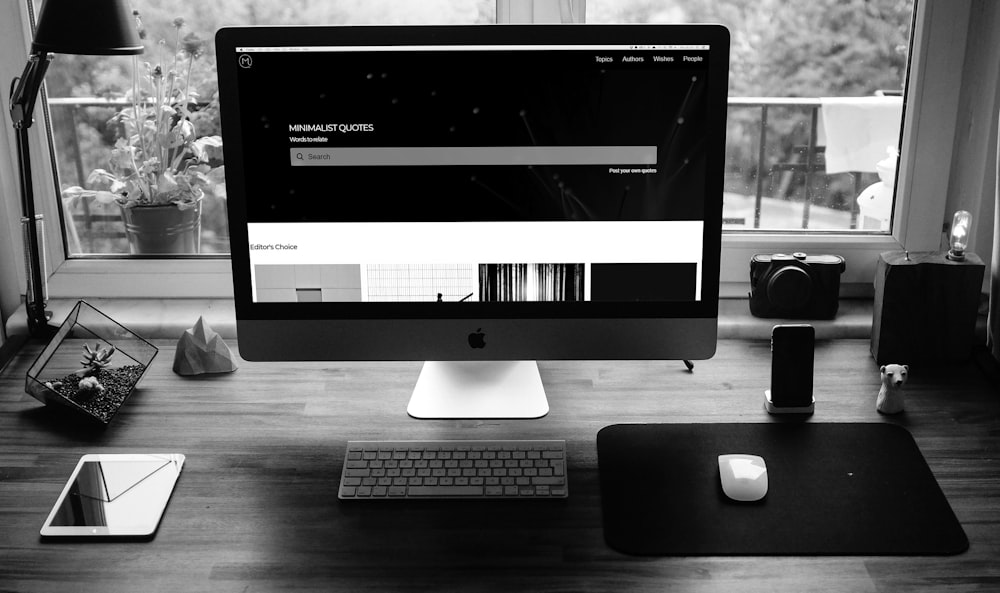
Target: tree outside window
{"type": "Point", "coordinates": [798, 69]}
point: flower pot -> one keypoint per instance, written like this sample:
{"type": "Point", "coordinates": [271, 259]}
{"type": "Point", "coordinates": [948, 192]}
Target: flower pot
{"type": "Point", "coordinates": [163, 228]}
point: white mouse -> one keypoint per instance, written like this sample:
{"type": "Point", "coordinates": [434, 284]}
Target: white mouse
{"type": "Point", "coordinates": [744, 477]}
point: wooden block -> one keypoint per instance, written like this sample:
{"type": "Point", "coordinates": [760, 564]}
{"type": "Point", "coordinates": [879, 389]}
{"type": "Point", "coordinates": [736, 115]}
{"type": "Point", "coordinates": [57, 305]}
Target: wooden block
{"type": "Point", "coordinates": [925, 307]}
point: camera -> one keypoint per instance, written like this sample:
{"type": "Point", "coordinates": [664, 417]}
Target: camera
{"type": "Point", "coordinates": [796, 286]}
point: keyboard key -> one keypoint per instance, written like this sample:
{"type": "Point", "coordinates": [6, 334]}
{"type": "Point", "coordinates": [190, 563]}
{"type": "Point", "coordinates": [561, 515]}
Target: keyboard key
{"type": "Point", "coordinates": [445, 491]}
{"type": "Point", "coordinates": [553, 481]}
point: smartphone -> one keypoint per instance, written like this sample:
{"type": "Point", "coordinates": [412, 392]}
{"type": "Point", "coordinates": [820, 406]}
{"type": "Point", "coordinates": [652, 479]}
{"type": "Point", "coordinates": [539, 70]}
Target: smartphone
{"type": "Point", "coordinates": [792, 348]}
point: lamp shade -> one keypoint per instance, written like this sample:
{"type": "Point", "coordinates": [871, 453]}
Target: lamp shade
{"type": "Point", "coordinates": [90, 27]}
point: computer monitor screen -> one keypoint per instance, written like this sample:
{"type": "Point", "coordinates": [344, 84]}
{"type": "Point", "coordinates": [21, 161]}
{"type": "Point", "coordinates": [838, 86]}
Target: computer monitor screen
{"type": "Point", "coordinates": [474, 193]}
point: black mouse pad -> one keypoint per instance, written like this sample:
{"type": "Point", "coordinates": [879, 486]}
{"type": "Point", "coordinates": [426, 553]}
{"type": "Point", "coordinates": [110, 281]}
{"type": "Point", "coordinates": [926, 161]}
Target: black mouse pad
{"type": "Point", "coordinates": [833, 489]}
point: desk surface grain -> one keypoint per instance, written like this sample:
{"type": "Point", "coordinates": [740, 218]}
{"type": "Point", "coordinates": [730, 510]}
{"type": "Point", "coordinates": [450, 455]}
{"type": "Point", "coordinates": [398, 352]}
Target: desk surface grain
{"type": "Point", "coordinates": [256, 509]}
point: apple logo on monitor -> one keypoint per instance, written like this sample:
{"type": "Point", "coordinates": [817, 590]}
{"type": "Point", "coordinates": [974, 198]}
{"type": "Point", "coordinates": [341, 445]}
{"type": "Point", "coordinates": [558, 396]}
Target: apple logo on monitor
{"type": "Point", "coordinates": [477, 339]}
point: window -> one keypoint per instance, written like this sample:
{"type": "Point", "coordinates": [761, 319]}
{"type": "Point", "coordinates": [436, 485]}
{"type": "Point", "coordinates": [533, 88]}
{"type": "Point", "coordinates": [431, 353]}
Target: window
{"type": "Point", "coordinates": [92, 114]}
{"type": "Point", "coordinates": [935, 67]}
{"type": "Point", "coordinates": [814, 109]}
{"type": "Point", "coordinates": [784, 57]}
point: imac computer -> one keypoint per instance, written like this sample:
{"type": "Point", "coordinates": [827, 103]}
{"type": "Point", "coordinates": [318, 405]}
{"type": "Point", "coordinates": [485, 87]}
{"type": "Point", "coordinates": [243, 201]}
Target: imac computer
{"type": "Point", "coordinates": [478, 197]}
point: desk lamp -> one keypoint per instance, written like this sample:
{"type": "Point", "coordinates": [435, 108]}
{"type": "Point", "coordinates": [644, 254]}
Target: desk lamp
{"type": "Point", "coordinates": [95, 27]}
{"type": "Point", "coordinates": [927, 303]}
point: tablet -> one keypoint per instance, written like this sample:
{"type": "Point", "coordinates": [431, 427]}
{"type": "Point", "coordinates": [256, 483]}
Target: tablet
{"type": "Point", "coordinates": [114, 495]}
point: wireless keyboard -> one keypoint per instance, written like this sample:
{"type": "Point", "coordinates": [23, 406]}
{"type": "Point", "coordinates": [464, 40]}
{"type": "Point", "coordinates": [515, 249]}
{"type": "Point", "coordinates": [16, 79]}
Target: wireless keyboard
{"type": "Point", "coordinates": [454, 469]}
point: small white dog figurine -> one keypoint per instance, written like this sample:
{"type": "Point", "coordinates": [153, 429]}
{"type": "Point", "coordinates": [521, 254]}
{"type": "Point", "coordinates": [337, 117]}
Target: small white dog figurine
{"type": "Point", "coordinates": [890, 396]}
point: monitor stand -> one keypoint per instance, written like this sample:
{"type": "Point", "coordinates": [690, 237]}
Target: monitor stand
{"type": "Point", "coordinates": [479, 389]}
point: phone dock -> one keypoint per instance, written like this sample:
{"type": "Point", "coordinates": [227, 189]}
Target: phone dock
{"type": "Point", "coordinates": [774, 409]}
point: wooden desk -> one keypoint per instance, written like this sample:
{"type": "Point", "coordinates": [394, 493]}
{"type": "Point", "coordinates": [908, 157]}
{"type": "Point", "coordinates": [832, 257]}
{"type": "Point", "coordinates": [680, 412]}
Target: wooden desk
{"type": "Point", "coordinates": [256, 509]}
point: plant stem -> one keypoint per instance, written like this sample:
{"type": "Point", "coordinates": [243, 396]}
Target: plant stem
{"type": "Point", "coordinates": [170, 93]}
{"type": "Point", "coordinates": [159, 116]}
{"type": "Point", "coordinates": [135, 107]}
{"type": "Point", "coordinates": [177, 43]}
{"type": "Point", "coordinates": [139, 176]}
{"type": "Point", "coordinates": [173, 68]}
{"type": "Point", "coordinates": [187, 83]}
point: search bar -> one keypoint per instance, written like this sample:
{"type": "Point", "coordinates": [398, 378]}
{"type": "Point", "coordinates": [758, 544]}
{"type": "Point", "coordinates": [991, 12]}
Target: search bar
{"type": "Point", "coordinates": [422, 156]}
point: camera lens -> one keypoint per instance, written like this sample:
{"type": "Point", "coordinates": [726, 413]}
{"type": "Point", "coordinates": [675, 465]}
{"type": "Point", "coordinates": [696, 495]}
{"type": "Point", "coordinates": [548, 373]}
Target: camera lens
{"type": "Point", "coordinates": [789, 288]}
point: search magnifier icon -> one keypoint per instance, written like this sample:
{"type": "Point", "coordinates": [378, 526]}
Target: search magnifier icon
{"type": "Point", "coordinates": [298, 155]}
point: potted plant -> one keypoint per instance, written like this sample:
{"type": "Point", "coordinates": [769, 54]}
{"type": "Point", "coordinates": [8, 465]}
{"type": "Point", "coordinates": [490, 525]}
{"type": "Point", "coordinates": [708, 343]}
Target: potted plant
{"type": "Point", "coordinates": [160, 168]}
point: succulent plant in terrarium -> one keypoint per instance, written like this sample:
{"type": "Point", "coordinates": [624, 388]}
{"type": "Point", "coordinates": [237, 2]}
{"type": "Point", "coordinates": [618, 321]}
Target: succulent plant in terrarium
{"type": "Point", "coordinates": [95, 359]}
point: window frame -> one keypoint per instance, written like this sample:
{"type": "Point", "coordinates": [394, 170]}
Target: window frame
{"type": "Point", "coordinates": [929, 125]}
{"type": "Point", "coordinates": [930, 119]}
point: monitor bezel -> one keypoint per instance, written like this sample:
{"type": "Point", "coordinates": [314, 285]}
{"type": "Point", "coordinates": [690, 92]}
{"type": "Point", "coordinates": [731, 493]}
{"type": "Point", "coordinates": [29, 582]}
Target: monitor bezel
{"type": "Point", "coordinates": [266, 319]}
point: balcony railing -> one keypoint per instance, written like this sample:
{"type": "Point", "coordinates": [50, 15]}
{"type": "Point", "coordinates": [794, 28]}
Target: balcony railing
{"type": "Point", "coordinates": [810, 160]}
{"type": "Point", "coordinates": [775, 166]}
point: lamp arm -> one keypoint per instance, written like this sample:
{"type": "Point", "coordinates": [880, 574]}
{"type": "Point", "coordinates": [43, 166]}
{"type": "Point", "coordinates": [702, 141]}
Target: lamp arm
{"type": "Point", "coordinates": [25, 88]}
{"type": "Point", "coordinates": [24, 92]}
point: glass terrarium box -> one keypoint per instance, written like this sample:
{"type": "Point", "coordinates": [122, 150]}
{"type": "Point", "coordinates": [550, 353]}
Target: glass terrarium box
{"type": "Point", "coordinates": [91, 365]}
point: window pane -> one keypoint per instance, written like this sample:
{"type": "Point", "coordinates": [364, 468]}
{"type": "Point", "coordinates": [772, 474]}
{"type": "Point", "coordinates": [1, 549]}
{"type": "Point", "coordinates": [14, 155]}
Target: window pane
{"type": "Point", "coordinates": [93, 118]}
{"type": "Point", "coordinates": [815, 105]}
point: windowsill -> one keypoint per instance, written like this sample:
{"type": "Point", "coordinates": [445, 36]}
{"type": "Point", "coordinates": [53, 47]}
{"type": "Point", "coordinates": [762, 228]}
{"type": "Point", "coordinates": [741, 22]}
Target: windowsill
{"type": "Point", "coordinates": [168, 318]}
{"type": "Point", "coordinates": [149, 318]}
{"type": "Point", "coordinates": [854, 320]}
